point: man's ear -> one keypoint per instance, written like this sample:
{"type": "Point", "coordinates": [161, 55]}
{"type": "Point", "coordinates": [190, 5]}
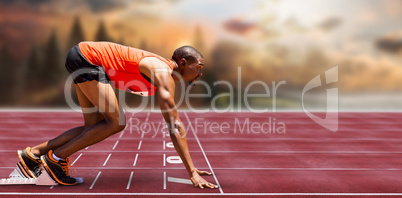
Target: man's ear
{"type": "Point", "coordinates": [183, 62]}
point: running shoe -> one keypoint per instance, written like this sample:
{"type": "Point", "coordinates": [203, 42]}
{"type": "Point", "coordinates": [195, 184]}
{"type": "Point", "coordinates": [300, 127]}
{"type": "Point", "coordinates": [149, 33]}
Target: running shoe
{"type": "Point", "coordinates": [58, 170]}
{"type": "Point", "coordinates": [30, 163]}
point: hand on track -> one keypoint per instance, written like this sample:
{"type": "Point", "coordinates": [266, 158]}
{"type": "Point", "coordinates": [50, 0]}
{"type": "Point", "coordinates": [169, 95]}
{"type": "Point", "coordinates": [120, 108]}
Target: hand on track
{"type": "Point", "coordinates": [200, 182]}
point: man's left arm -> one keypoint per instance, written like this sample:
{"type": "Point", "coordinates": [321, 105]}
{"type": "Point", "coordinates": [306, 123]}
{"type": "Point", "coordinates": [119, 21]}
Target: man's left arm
{"type": "Point", "coordinates": [177, 133]}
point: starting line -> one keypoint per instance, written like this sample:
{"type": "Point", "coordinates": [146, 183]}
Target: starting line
{"type": "Point", "coordinates": [207, 194]}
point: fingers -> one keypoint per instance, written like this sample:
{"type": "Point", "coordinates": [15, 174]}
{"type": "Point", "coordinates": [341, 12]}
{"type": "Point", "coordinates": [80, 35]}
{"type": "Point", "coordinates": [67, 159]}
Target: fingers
{"type": "Point", "coordinates": [208, 185]}
{"type": "Point", "coordinates": [203, 172]}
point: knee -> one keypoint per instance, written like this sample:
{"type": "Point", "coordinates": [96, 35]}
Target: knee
{"type": "Point", "coordinates": [118, 125]}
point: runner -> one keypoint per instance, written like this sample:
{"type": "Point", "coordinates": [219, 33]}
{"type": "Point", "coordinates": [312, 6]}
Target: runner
{"type": "Point", "coordinates": [97, 67]}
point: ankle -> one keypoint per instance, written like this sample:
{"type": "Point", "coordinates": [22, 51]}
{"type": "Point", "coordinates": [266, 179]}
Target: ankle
{"type": "Point", "coordinates": [55, 157]}
{"type": "Point", "coordinates": [36, 152]}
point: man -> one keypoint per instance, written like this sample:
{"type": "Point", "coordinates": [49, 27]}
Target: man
{"type": "Point", "coordinates": [95, 68]}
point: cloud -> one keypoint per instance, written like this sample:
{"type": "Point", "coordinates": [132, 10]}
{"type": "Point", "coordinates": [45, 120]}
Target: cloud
{"type": "Point", "coordinates": [105, 5]}
{"type": "Point", "coordinates": [329, 24]}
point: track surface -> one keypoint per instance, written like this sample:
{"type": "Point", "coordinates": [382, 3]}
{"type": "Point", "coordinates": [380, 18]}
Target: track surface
{"type": "Point", "coordinates": [301, 159]}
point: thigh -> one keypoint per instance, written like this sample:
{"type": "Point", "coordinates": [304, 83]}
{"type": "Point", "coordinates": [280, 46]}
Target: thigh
{"type": "Point", "coordinates": [90, 112]}
{"type": "Point", "coordinates": [102, 96]}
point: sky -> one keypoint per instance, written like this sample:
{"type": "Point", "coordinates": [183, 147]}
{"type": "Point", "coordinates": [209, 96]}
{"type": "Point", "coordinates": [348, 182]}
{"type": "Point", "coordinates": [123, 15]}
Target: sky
{"type": "Point", "coordinates": [337, 25]}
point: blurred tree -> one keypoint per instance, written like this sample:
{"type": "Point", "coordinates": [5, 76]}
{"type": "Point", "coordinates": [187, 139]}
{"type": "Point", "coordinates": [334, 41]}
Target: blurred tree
{"type": "Point", "coordinates": [121, 41]}
{"type": "Point", "coordinates": [101, 34]}
{"type": "Point", "coordinates": [7, 76]}
{"type": "Point", "coordinates": [198, 42]}
{"type": "Point", "coordinates": [53, 70]}
{"type": "Point", "coordinates": [76, 35]}
{"type": "Point", "coordinates": [225, 58]}
{"type": "Point", "coordinates": [144, 45]}
{"type": "Point", "coordinates": [35, 66]}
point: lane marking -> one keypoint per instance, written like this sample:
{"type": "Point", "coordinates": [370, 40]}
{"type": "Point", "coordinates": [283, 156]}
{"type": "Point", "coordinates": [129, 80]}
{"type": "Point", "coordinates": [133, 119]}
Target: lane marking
{"type": "Point", "coordinates": [121, 134]}
{"type": "Point", "coordinates": [139, 145]}
{"type": "Point", "coordinates": [164, 146]}
{"type": "Point", "coordinates": [164, 180]}
{"type": "Point", "coordinates": [129, 181]}
{"type": "Point", "coordinates": [87, 147]}
{"type": "Point", "coordinates": [205, 156]}
{"type": "Point", "coordinates": [96, 178]}
{"type": "Point", "coordinates": [207, 194]}
{"type": "Point", "coordinates": [107, 159]}
{"type": "Point", "coordinates": [267, 152]}
{"type": "Point", "coordinates": [115, 144]}
{"type": "Point", "coordinates": [174, 159]}
{"type": "Point", "coordinates": [164, 159]}
{"type": "Point", "coordinates": [135, 160]}
{"type": "Point", "coordinates": [129, 124]}
{"type": "Point", "coordinates": [258, 168]}
{"type": "Point", "coordinates": [146, 119]}
{"type": "Point", "coordinates": [179, 180]}
{"type": "Point", "coordinates": [76, 159]}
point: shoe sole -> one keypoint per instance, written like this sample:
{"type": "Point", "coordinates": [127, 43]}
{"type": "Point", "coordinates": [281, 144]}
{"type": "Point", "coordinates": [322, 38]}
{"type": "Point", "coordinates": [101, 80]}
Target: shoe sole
{"type": "Point", "coordinates": [46, 167]}
{"type": "Point", "coordinates": [22, 170]}
{"type": "Point", "coordinates": [31, 174]}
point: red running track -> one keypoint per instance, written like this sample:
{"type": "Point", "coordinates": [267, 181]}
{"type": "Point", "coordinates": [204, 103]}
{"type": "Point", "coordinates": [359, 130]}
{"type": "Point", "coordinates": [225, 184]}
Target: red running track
{"type": "Point", "coordinates": [261, 154]}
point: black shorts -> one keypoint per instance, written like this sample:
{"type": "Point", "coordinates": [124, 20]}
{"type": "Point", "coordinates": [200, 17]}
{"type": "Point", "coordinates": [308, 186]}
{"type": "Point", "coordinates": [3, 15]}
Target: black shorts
{"type": "Point", "coordinates": [82, 70]}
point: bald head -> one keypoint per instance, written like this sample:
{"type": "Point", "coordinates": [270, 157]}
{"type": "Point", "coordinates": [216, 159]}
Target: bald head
{"type": "Point", "coordinates": [187, 52]}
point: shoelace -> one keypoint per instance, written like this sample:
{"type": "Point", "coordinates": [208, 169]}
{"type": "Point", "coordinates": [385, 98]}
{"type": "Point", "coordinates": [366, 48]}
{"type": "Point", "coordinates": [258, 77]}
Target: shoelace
{"type": "Point", "coordinates": [66, 166]}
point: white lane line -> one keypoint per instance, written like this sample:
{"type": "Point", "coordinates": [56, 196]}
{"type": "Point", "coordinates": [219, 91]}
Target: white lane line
{"type": "Point", "coordinates": [164, 144]}
{"type": "Point", "coordinates": [76, 159]}
{"type": "Point", "coordinates": [129, 124]}
{"type": "Point", "coordinates": [129, 181]}
{"type": "Point", "coordinates": [107, 159]}
{"type": "Point", "coordinates": [115, 144]}
{"type": "Point", "coordinates": [87, 147]}
{"type": "Point", "coordinates": [205, 156]}
{"type": "Point", "coordinates": [179, 180]}
{"type": "Point", "coordinates": [122, 133]}
{"type": "Point", "coordinates": [164, 159]}
{"type": "Point", "coordinates": [146, 119]}
{"type": "Point", "coordinates": [257, 168]}
{"type": "Point", "coordinates": [139, 145]}
{"type": "Point", "coordinates": [51, 187]}
{"type": "Point", "coordinates": [204, 194]}
{"type": "Point", "coordinates": [96, 178]}
{"type": "Point", "coordinates": [135, 160]}
{"type": "Point", "coordinates": [164, 180]}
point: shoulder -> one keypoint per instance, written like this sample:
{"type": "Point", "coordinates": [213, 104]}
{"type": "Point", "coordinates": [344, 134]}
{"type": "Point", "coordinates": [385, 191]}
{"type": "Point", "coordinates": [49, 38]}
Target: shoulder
{"type": "Point", "coordinates": [154, 64]}
{"type": "Point", "coordinates": [157, 70]}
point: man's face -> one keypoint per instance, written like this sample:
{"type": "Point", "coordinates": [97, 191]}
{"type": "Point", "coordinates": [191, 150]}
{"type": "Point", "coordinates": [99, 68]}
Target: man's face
{"type": "Point", "coordinates": [193, 70]}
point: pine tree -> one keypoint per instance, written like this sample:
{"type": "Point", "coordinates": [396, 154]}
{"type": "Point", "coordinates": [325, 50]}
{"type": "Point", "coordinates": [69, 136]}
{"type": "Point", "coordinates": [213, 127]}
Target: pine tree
{"type": "Point", "coordinates": [102, 35]}
{"type": "Point", "coordinates": [53, 72]}
{"type": "Point", "coordinates": [7, 76]}
{"type": "Point", "coordinates": [35, 68]}
{"type": "Point", "coordinates": [77, 34]}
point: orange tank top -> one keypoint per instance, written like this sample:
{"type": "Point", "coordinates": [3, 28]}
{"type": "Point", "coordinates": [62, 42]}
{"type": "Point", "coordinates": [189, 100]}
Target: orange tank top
{"type": "Point", "coordinates": [121, 65]}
